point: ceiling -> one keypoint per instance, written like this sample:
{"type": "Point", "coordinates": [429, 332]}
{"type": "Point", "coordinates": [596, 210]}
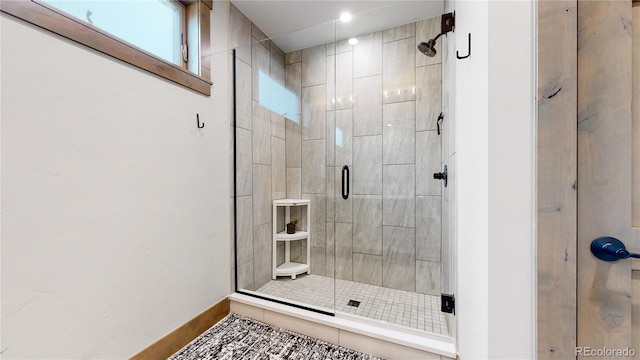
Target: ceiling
{"type": "Point", "coordinates": [298, 24]}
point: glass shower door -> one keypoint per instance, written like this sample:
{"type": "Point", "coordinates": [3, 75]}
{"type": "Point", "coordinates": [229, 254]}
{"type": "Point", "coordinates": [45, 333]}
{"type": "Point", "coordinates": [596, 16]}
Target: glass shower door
{"type": "Point", "coordinates": [280, 169]}
{"type": "Point", "coordinates": [388, 228]}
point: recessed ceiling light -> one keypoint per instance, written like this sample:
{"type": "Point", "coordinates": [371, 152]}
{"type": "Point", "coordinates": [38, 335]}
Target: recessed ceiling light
{"type": "Point", "coordinates": [353, 41]}
{"type": "Point", "coordinates": [345, 17]}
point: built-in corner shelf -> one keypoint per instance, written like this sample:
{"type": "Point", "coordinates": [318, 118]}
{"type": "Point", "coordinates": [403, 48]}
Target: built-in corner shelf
{"type": "Point", "coordinates": [303, 233]}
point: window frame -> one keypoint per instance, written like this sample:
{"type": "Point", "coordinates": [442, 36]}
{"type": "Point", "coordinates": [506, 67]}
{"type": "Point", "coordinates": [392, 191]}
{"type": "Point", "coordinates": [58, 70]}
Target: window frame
{"type": "Point", "coordinates": [52, 19]}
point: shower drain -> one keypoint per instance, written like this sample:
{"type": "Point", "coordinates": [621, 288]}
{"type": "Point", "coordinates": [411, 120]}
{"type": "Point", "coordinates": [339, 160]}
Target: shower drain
{"type": "Point", "coordinates": [353, 303]}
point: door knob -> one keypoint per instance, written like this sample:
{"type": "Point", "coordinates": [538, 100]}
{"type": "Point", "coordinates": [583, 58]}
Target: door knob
{"type": "Point", "coordinates": [441, 176]}
{"type": "Point", "coordinates": [608, 248]}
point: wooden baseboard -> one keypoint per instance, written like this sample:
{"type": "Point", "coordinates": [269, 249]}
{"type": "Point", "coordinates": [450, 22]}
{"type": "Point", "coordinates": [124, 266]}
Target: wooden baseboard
{"type": "Point", "coordinates": [178, 338]}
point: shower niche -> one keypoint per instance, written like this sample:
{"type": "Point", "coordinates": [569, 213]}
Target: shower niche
{"type": "Point", "coordinates": [304, 114]}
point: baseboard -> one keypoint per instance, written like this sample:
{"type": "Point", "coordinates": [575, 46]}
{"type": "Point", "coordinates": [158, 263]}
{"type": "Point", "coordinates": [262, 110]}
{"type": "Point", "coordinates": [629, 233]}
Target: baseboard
{"type": "Point", "coordinates": [178, 338]}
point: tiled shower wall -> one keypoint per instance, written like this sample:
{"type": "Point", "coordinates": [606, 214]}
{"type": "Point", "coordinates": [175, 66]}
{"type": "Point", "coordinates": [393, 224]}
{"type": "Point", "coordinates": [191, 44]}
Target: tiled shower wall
{"type": "Point", "coordinates": [372, 107]}
{"type": "Point", "coordinates": [381, 122]}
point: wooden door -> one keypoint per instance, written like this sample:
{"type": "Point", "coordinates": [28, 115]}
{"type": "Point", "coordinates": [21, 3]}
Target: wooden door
{"type": "Point", "coordinates": [587, 306]}
{"type": "Point", "coordinates": [604, 174]}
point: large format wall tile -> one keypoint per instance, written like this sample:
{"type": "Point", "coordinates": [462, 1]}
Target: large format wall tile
{"type": "Point", "coordinates": [293, 57]}
{"type": "Point", "coordinates": [331, 82]}
{"type": "Point", "coordinates": [399, 210]}
{"type": "Point", "coordinates": [243, 95]}
{"type": "Point", "coordinates": [277, 74]}
{"type": "Point", "coordinates": [367, 224]}
{"type": "Point", "coordinates": [428, 161]}
{"type": "Point", "coordinates": [367, 55]}
{"type": "Point", "coordinates": [344, 137]}
{"type": "Point", "coordinates": [261, 135]}
{"type": "Point", "coordinates": [318, 219]}
{"type": "Point", "coordinates": [428, 227]}
{"type": "Point", "coordinates": [293, 144]}
{"type": "Point", "coordinates": [293, 82]}
{"type": "Point", "coordinates": [344, 80]}
{"type": "Point", "coordinates": [425, 30]}
{"type": "Point", "coordinates": [398, 258]}
{"type": "Point", "coordinates": [367, 269]}
{"type": "Point", "coordinates": [245, 229]}
{"type": "Point", "coordinates": [313, 167]}
{"type": "Point", "coordinates": [330, 249]}
{"type": "Point", "coordinates": [428, 277]}
{"type": "Point", "coordinates": [313, 112]}
{"type": "Point", "coordinates": [278, 166]}
{"type": "Point", "coordinates": [260, 63]}
{"type": "Point", "coordinates": [241, 34]}
{"type": "Point", "coordinates": [398, 72]}
{"type": "Point", "coordinates": [331, 138]}
{"type": "Point", "coordinates": [245, 276]}
{"type": "Point", "coordinates": [344, 251]}
{"type": "Point", "coordinates": [261, 194]}
{"type": "Point", "coordinates": [398, 201]}
{"type": "Point", "coordinates": [399, 133]}
{"type": "Point", "coordinates": [367, 106]}
{"type": "Point", "coordinates": [262, 244]}
{"type": "Point", "coordinates": [318, 261]}
{"type": "Point", "coordinates": [367, 165]}
{"type": "Point", "coordinates": [399, 32]}
{"type": "Point", "coordinates": [294, 182]}
{"type": "Point", "coordinates": [277, 57]}
{"type": "Point", "coordinates": [331, 192]}
{"type": "Point", "coordinates": [244, 167]}
{"type": "Point", "coordinates": [314, 66]}
{"type": "Point", "coordinates": [428, 96]}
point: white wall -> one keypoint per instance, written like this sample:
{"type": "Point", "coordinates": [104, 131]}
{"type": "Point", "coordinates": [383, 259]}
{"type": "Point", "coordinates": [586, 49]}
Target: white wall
{"type": "Point", "coordinates": [114, 205]}
{"type": "Point", "coordinates": [495, 162]}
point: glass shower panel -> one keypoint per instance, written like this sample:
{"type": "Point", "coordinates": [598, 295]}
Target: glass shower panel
{"type": "Point", "coordinates": [349, 127]}
{"type": "Point", "coordinates": [281, 171]}
{"type": "Point", "coordinates": [388, 231]}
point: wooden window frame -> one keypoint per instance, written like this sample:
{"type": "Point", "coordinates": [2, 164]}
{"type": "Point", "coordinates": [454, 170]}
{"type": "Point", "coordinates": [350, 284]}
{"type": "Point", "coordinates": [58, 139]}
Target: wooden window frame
{"type": "Point", "coordinates": [58, 22]}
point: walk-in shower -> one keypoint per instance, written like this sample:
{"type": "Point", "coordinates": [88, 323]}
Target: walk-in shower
{"type": "Point", "coordinates": [343, 141]}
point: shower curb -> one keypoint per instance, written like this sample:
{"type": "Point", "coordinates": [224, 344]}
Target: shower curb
{"type": "Point", "coordinates": [376, 339]}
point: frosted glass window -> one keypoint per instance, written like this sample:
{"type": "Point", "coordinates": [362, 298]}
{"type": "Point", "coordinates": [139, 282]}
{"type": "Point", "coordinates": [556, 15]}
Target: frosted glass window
{"type": "Point", "coordinates": [152, 25]}
{"type": "Point", "coordinates": [277, 98]}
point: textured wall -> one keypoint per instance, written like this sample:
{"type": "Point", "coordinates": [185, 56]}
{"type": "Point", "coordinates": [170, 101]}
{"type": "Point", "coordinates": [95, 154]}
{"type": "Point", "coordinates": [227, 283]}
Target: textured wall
{"type": "Point", "coordinates": [114, 204]}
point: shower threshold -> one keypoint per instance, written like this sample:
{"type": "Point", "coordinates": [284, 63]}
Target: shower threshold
{"type": "Point", "coordinates": [390, 306]}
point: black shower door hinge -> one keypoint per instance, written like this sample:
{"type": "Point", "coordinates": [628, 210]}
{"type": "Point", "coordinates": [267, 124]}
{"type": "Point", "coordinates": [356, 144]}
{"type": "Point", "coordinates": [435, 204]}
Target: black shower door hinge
{"type": "Point", "coordinates": [448, 303]}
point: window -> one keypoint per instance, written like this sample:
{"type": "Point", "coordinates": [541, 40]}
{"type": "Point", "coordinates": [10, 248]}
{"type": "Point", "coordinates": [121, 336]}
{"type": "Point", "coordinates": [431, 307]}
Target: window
{"type": "Point", "coordinates": [169, 38]}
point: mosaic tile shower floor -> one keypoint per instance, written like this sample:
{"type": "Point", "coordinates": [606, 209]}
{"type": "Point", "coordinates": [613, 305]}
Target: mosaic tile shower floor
{"type": "Point", "coordinates": [238, 338]}
{"type": "Point", "coordinates": [399, 307]}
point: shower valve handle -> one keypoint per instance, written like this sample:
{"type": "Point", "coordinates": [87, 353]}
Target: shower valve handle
{"type": "Point", "coordinates": [441, 176]}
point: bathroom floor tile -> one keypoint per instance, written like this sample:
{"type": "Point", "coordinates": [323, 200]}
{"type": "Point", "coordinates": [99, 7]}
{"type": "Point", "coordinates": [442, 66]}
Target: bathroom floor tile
{"type": "Point", "coordinates": [399, 307]}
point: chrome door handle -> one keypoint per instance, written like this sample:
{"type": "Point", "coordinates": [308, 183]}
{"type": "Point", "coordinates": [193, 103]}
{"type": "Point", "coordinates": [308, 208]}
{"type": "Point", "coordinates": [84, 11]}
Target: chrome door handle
{"type": "Point", "coordinates": [608, 248]}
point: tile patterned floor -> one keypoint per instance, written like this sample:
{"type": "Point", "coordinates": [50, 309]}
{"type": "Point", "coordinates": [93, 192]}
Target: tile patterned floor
{"type": "Point", "coordinates": [404, 308]}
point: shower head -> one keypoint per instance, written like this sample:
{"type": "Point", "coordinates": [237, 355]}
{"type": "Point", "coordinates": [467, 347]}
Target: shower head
{"type": "Point", "coordinates": [447, 23]}
{"type": "Point", "coordinates": [428, 48]}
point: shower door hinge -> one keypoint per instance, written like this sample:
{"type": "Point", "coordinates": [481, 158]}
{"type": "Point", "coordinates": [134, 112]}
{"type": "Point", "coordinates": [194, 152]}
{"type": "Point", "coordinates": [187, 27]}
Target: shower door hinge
{"type": "Point", "coordinates": [448, 303]}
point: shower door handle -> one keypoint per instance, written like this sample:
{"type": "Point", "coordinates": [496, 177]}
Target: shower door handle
{"type": "Point", "coordinates": [345, 184]}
